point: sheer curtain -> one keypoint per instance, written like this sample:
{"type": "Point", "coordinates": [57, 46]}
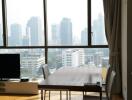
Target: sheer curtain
{"type": "Point", "coordinates": [112, 15]}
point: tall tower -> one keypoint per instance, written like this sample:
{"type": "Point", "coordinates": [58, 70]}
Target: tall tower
{"type": "Point", "coordinates": [66, 31]}
{"type": "Point", "coordinates": [84, 36]}
{"type": "Point", "coordinates": [1, 40]}
{"type": "Point", "coordinates": [98, 29]}
{"type": "Point", "coordinates": [15, 34]}
{"type": "Point", "coordinates": [34, 31]}
{"type": "Point", "coordinates": [55, 34]}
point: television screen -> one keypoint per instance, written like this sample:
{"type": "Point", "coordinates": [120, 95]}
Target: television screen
{"type": "Point", "coordinates": [9, 66]}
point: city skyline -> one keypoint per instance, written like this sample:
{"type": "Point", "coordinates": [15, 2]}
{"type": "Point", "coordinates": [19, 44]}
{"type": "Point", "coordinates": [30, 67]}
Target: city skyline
{"type": "Point", "coordinates": [76, 10]}
{"type": "Point", "coordinates": [34, 32]}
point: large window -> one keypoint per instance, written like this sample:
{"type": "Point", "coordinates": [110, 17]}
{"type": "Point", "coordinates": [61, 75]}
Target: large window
{"type": "Point", "coordinates": [1, 28]}
{"type": "Point", "coordinates": [62, 33]}
{"type": "Point", "coordinates": [25, 22]}
{"type": "Point", "coordinates": [97, 23]}
{"type": "Point", "coordinates": [67, 22]}
{"type": "Point", "coordinates": [31, 61]}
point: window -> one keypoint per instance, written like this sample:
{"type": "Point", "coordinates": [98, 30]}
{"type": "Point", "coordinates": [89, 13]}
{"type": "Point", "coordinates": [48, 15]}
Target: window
{"type": "Point", "coordinates": [1, 28]}
{"type": "Point", "coordinates": [62, 33]}
{"type": "Point", "coordinates": [67, 22]}
{"type": "Point", "coordinates": [97, 23]}
{"type": "Point", "coordinates": [25, 22]}
{"type": "Point", "coordinates": [30, 61]}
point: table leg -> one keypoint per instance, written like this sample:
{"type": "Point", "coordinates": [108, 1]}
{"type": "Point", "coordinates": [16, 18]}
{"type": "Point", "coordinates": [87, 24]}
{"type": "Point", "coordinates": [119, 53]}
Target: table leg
{"type": "Point", "coordinates": [60, 95]}
{"type": "Point", "coordinates": [44, 94]}
{"type": "Point", "coordinates": [41, 94]}
{"type": "Point", "coordinates": [49, 94]}
{"type": "Point", "coordinates": [100, 95]}
{"type": "Point", "coordinates": [69, 95]}
{"type": "Point", "coordinates": [66, 95]}
{"type": "Point", "coordinates": [83, 94]}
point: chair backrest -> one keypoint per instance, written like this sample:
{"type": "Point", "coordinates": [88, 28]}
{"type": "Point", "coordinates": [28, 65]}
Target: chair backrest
{"type": "Point", "coordinates": [110, 84]}
{"type": "Point", "coordinates": [45, 71]}
{"type": "Point", "coordinates": [107, 77]}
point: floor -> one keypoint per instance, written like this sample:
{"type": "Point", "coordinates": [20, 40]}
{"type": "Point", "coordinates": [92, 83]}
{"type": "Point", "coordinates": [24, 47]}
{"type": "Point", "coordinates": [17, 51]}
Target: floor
{"type": "Point", "coordinates": [54, 96]}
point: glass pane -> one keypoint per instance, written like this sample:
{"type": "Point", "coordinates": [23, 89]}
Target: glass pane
{"type": "Point", "coordinates": [98, 29]}
{"type": "Point", "coordinates": [67, 22]}
{"type": "Point", "coordinates": [94, 58]}
{"type": "Point", "coordinates": [1, 28]}
{"type": "Point", "coordinates": [25, 22]}
{"type": "Point", "coordinates": [31, 61]}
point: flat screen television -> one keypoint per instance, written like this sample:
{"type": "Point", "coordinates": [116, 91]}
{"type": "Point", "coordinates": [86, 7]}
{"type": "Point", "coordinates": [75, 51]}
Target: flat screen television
{"type": "Point", "coordinates": [9, 66]}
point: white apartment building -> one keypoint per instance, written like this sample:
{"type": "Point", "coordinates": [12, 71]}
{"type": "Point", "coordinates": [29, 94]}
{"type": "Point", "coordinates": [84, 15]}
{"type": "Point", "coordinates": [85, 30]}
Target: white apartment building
{"type": "Point", "coordinates": [73, 57]}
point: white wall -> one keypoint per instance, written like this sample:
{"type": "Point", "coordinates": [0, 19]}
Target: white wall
{"type": "Point", "coordinates": [124, 48]}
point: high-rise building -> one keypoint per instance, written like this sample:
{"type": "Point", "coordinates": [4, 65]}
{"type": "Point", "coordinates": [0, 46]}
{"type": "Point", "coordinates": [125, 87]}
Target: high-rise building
{"type": "Point", "coordinates": [1, 40]}
{"type": "Point", "coordinates": [66, 31]}
{"type": "Point", "coordinates": [55, 34]}
{"type": "Point", "coordinates": [34, 31]}
{"type": "Point", "coordinates": [73, 58]}
{"type": "Point", "coordinates": [84, 36]}
{"type": "Point", "coordinates": [15, 35]}
{"type": "Point", "coordinates": [98, 31]}
{"type": "Point", "coordinates": [25, 40]}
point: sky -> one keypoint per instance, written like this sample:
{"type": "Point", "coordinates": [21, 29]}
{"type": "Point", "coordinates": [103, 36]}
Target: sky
{"type": "Point", "coordinates": [20, 11]}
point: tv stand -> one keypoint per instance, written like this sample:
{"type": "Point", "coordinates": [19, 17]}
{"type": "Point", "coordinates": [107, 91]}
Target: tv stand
{"type": "Point", "coordinates": [3, 79]}
{"type": "Point", "coordinates": [17, 87]}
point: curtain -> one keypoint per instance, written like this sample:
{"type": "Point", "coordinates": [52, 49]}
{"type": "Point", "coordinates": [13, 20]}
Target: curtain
{"type": "Point", "coordinates": [112, 16]}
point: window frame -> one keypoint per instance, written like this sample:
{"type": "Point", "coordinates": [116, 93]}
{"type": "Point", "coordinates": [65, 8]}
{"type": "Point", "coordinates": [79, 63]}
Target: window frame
{"type": "Point", "coordinates": [46, 46]}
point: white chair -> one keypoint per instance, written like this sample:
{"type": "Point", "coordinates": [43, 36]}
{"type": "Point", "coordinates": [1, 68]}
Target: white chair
{"type": "Point", "coordinates": [45, 70]}
{"type": "Point", "coordinates": [46, 74]}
